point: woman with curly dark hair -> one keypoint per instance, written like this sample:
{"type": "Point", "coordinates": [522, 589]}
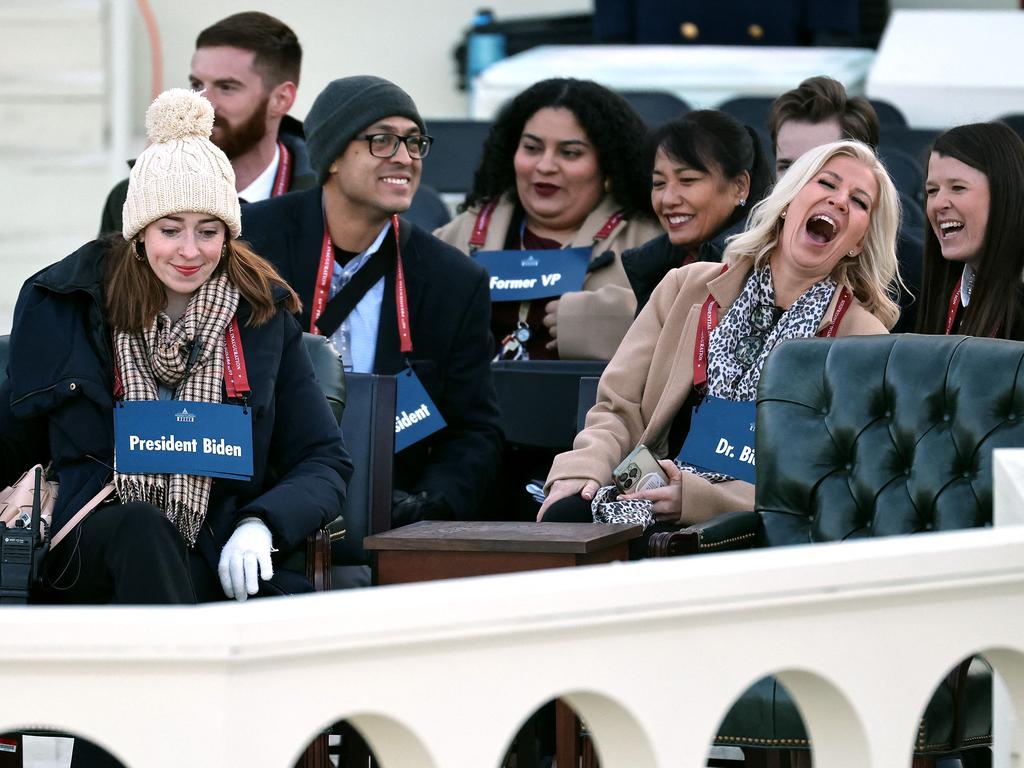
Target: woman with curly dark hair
{"type": "Point", "coordinates": [562, 168]}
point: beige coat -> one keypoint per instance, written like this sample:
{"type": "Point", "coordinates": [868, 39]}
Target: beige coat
{"type": "Point", "coordinates": [650, 377]}
{"type": "Point", "coordinates": [591, 322]}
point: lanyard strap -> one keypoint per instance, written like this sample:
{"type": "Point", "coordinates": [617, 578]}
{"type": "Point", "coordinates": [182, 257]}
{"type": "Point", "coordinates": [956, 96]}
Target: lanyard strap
{"type": "Point", "coordinates": [845, 299]}
{"type": "Point", "coordinates": [954, 307]}
{"type": "Point", "coordinates": [401, 297]}
{"type": "Point", "coordinates": [236, 378]}
{"type": "Point", "coordinates": [322, 288]}
{"type": "Point", "coordinates": [284, 171]}
{"type": "Point", "coordinates": [709, 319]}
{"type": "Point", "coordinates": [483, 222]}
{"type": "Point", "coordinates": [609, 226]}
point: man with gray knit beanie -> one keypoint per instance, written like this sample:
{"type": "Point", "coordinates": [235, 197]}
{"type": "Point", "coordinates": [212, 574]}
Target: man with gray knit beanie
{"type": "Point", "coordinates": [390, 295]}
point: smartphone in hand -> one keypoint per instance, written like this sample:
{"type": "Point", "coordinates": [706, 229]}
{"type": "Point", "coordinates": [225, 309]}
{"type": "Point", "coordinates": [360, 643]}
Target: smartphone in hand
{"type": "Point", "coordinates": [639, 471]}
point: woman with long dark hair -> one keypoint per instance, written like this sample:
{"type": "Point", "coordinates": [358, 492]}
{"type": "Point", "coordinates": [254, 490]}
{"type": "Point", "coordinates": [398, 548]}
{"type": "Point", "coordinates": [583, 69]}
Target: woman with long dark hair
{"type": "Point", "coordinates": [973, 254]}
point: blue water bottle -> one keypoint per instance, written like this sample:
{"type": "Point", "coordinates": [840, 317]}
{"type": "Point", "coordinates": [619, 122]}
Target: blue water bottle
{"type": "Point", "coordinates": [484, 47]}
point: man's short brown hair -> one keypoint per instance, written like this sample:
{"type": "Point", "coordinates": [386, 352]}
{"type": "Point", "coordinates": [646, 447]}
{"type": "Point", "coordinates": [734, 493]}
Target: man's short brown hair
{"type": "Point", "coordinates": [818, 99]}
{"type": "Point", "coordinates": [278, 55]}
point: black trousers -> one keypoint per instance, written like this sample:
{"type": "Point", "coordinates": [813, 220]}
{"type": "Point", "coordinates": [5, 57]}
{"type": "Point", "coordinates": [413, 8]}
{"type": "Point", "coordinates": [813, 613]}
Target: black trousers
{"type": "Point", "coordinates": [126, 554]}
{"type": "Point", "coordinates": [576, 509]}
{"type": "Point", "coordinates": [131, 554]}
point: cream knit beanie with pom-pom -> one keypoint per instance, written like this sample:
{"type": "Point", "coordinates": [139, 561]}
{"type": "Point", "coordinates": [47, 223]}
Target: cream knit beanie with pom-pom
{"type": "Point", "coordinates": [181, 170]}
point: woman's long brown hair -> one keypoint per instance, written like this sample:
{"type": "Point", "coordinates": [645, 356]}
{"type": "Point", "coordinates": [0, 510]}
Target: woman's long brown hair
{"type": "Point", "coordinates": [134, 295]}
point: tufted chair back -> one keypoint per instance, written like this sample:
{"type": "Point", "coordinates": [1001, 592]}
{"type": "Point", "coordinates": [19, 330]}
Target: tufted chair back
{"type": "Point", "coordinates": [881, 435]}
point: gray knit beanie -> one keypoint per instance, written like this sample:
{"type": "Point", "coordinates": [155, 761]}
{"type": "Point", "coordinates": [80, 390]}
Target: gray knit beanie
{"type": "Point", "coordinates": [346, 107]}
{"type": "Point", "coordinates": [181, 170]}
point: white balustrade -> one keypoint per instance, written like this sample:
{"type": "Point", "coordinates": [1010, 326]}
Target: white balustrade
{"type": "Point", "coordinates": [441, 675]}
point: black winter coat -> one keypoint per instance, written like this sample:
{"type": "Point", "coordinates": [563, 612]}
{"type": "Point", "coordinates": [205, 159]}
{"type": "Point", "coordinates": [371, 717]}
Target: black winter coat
{"type": "Point", "coordinates": [450, 311]}
{"type": "Point", "coordinates": [57, 405]}
{"type": "Point", "coordinates": [647, 265]}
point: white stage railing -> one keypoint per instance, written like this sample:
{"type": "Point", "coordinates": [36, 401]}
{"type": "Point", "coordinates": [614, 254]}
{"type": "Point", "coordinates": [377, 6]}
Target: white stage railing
{"type": "Point", "coordinates": [441, 675]}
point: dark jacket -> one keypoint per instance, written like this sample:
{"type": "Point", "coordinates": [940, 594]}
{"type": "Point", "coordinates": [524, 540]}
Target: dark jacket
{"type": "Point", "coordinates": [647, 265]}
{"type": "Point", "coordinates": [290, 134]}
{"type": "Point", "coordinates": [57, 405]}
{"type": "Point", "coordinates": [449, 308]}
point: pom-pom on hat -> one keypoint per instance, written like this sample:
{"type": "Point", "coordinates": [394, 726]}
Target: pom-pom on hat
{"type": "Point", "coordinates": [181, 170]}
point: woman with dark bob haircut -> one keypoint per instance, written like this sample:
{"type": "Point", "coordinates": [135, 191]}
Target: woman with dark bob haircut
{"type": "Point", "coordinates": [562, 167]}
{"type": "Point", "coordinates": [973, 257]}
{"type": "Point", "coordinates": [707, 171]}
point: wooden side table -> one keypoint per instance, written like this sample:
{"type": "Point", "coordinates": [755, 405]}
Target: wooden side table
{"type": "Point", "coordinates": [431, 550]}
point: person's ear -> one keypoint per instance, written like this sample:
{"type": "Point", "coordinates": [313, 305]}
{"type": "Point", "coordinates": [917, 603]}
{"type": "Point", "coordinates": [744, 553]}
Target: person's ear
{"type": "Point", "coordinates": [742, 186]}
{"type": "Point", "coordinates": [281, 99]}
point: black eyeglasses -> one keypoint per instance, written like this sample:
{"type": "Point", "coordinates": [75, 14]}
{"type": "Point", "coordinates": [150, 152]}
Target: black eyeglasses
{"type": "Point", "coordinates": [763, 318]}
{"type": "Point", "coordinates": [385, 145]}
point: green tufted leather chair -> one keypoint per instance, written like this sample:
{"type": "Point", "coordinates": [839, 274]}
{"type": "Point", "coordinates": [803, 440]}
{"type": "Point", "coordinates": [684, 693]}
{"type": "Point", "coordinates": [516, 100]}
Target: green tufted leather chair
{"type": "Point", "coordinates": [873, 436]}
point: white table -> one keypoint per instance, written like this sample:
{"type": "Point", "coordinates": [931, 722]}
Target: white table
{"type": "Point", "coordinates": [945, 68]}
{"type": "Point", "coordinates": [703, 76]}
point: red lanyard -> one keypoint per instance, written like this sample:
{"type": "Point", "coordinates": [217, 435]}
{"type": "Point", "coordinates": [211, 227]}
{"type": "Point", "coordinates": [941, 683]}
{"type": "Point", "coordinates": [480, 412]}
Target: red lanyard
{"type": "Point", "coordinates": [322, 289]}
{"type": "Point", "coordinates": [236, 379]}
{"type": "Point", "coordinates": [709, 319]}
{"type": "Point", "coordinates": [284, 168]}
{"type": "Point", "coordinates": [483, 222]}
{"type": "Point", "coordinates": [954, 307]}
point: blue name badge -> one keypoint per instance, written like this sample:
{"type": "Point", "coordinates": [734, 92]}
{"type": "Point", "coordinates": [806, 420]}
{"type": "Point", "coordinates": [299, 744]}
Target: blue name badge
{"type": "Point", "coordinates": [527, 275]}
{"type": "Point", "coordinates": [721, 438]}
{"type": "Point", "coordinates": [178, 437]}
{"type": "Point", "coordinates": [416, 416]}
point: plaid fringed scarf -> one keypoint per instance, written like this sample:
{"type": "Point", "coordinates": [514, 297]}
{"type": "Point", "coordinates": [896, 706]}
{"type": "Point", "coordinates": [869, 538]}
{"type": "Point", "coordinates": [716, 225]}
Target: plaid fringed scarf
{"type": "Point", "coordinates": [161, 354]}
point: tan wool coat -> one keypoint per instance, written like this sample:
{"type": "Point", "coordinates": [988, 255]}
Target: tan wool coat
{"type": "Point", "coordinates": [591, 322]}
{"type": "Point", "coordinates": [650, 377]}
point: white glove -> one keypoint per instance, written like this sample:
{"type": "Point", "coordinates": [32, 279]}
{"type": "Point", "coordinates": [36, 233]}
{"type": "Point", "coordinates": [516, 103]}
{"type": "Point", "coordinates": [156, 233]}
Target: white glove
{"type": "Point", "coordinates": [245, 558]}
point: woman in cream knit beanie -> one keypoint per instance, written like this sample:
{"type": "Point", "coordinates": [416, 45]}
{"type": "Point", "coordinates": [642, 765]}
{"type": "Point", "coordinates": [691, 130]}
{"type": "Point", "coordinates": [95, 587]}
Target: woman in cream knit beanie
{"type": "Point", "coordinates": [177, 308]}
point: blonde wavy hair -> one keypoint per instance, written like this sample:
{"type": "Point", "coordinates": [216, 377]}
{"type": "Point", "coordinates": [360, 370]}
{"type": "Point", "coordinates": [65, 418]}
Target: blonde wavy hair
{"type": "Point", "coordinates": [873, 273]}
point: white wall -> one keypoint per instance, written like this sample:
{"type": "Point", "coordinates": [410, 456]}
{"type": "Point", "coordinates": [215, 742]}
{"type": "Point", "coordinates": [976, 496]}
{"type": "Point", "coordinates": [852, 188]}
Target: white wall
{"type": "Point", "coordinates": [412, 45]}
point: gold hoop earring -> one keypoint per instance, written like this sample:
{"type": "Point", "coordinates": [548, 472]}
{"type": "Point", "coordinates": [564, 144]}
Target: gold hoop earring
{"type": "Point", "coordinates": [135, 250]}
{"type": "Point", "coordinates": [224, 250]}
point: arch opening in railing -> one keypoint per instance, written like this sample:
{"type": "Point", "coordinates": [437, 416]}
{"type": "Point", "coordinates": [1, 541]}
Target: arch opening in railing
{"type": "Point", "coordinates": [38, 746]}
{"type": "Point", "coordinates": [584, 728]}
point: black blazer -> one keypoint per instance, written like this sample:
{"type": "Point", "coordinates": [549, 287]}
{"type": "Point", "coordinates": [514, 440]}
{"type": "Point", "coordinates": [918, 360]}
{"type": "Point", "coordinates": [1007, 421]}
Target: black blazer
{"type": "Point", "coordinates": [449, 309]}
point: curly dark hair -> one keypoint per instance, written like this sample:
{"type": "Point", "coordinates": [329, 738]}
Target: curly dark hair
{"type": "Point", "coordinates": [616, 131]}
